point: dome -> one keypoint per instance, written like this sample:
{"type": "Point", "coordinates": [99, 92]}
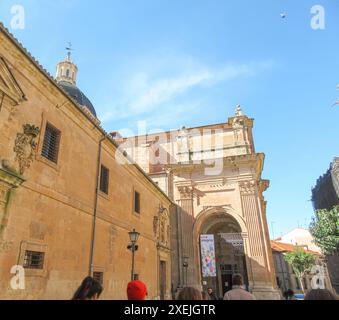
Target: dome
{"type": "Point", "coordinates": [78, 95]}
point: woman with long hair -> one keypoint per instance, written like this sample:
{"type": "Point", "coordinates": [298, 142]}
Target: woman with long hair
{"type": "Point", "coordinates": [89, 289]}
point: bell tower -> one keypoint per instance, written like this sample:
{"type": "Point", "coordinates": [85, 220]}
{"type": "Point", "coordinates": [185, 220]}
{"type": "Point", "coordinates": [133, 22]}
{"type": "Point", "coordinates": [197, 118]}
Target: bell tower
{"type": "Point", "coordinates": [67, 70]}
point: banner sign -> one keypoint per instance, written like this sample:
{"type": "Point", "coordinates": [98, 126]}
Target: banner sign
{"type": "Point", "coordinates": [208, 256]}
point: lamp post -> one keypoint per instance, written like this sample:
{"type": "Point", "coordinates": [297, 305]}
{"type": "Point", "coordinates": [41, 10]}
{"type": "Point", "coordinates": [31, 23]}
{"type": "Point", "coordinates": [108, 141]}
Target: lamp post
{"type": "Point", "coordinates": [134, 236]}
{"type": "Point", "coordinates": [185, 265]}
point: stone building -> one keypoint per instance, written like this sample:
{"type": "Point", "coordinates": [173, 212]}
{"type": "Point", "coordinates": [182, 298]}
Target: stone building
{"type": "Point", "coordinates": [286, 277]}
{"type": "Point", "coordinates": [299, 237]}
{"type": "Point", "coordinates": [68, 196]}
{"type": "Point", "coordinates": [325, 194]}
{"type": "Point", "coordinates": [213, 174]}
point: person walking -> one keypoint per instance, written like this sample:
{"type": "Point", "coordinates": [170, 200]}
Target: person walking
{"type": "Point", "coordinates": [90, 289]}
{"type": "Point", "coordinates": [211, 294]}
{"type": "Point", "coordinates": [289, 295]}
{"type": "Point", "coordinates": [320, 294]}
{"type": "Point", "coordinates": [238, 292]}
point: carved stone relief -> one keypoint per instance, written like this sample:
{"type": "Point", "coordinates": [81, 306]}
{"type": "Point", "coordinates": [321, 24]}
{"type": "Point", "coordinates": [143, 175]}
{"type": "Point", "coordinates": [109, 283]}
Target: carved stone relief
{"type": "Point", "coordinates": [248, 187]}
{"type": "Point", "coordinates": [161, 229]}
{"type": "Point", "coordinates": [25, 146]}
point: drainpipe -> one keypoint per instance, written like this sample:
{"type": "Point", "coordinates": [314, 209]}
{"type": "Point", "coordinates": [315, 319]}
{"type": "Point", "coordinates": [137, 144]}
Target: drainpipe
{"type": "Point", "coordinates": [2, 100]}
{"type": "Point", "coordinates": [95, 207]}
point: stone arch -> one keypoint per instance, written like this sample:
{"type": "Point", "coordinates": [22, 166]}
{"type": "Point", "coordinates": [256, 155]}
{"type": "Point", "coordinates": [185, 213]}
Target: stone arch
{"type": "Point", "coordinates": [208, 219]}
{"type": "Point", "coordinates": [208, 214]}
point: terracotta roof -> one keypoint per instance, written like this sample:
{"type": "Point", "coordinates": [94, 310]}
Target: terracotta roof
{"type": "Point", "coordinates": [286, 247]}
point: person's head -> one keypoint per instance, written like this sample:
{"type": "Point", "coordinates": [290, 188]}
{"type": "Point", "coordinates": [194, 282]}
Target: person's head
{"type": "Point", "coordinates": [189, 293]}
{"type": "Point", "coordinates": [290, 293]}
{"type": "Point", "coordinates": [89, 289]}
{"type": "Point", "coordinates": [237, 280]}
{"type": "Point", "coordinates": [320, 294]}
{"type": "Point", "coordinates": [136, 290]}
{"type": "Point", "coordinates": [210, 290]}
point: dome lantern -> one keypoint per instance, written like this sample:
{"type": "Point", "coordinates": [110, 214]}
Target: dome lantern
{"type": "Point", "coordinates": [67, 70]}
{"type": "Point", "coordinates": [66, 76]}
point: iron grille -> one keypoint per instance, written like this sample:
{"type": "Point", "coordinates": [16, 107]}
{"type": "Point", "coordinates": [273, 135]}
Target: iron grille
{"type": "Point", "coordinates": [99, 276]}
{"type": "Point", "coordinates": [34, 260]}
{"type": "Point", "coordinates": [104, 179]}
{"type": "Point", "coordinates": [50, 148]}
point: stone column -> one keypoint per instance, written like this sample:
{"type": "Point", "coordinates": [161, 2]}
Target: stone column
{"type": "Point", "coordinates": [257, 257]}
{"type": "Point", "coordinates": [186, 223]}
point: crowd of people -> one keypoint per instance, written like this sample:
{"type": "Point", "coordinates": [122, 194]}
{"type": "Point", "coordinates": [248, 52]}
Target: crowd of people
{"type": "Point", "coordinates": [90, 289]}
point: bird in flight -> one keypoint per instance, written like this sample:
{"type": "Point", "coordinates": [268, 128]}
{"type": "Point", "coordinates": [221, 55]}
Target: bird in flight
{"type": "Point", "coordinates": [283, 15]}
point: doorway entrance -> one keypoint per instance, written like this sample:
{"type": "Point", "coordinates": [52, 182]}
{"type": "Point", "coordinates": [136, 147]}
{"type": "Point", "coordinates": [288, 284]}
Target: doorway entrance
{"type": "Point", "coordinates": [163, 280]}
{"type": "Point", "coordinates": [229, 254]}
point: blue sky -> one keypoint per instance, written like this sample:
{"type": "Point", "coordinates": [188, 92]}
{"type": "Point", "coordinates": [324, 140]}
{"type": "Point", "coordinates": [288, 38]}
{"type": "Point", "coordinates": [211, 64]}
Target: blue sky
{"type": "Point", "coordinates": [189, 62]}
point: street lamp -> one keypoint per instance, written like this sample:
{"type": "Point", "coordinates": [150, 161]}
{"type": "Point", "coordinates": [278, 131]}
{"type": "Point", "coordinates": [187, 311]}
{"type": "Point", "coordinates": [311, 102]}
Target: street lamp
{"type": "Point", "coordinates": [134, 236]}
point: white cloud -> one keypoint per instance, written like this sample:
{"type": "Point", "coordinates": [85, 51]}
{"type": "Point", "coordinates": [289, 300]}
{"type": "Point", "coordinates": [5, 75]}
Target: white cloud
{"type": "Point", "coordinates": [143, 94]}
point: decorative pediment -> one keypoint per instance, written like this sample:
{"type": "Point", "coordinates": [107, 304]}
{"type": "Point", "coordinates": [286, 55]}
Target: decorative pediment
{"type": "Point", "coordinates": [8, 85]}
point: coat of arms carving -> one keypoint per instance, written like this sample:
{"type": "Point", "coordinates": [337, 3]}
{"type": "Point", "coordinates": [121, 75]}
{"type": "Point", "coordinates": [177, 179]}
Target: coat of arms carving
{"type": "Point", "coordinates": [25, 146]}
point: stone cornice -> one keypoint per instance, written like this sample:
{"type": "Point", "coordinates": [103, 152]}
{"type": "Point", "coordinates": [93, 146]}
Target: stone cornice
{"type": "Point", "coordinates": [12, 179]}
{"type": "Point", "coordinates": [235, 162]}
{"type": "Point", "coordinates": [251, 187]}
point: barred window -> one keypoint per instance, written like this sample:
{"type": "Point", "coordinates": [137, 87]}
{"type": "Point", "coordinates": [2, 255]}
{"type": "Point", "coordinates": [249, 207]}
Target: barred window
{"type": "Point", "coordinates": [50, 148]}
{"type": "Point", "coordinates": [34, 260]}
{"type": "Point", "coordinates": [104, 179]}
{"type": "Point", "coordinates": [137, 202]}
{"type": "Point", "coordinates": [99, 276]}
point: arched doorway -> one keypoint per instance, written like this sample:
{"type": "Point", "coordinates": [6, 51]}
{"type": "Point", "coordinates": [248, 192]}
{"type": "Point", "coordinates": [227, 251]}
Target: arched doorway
{"type": "Point", "coordinates": [229, 252]}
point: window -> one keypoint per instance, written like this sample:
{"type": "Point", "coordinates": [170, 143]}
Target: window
{"type": "Point", "coordinates": [136, 276]}
{"type": "Point", "coordinates": [104, 179]}
{"type": "Point", "coordinates": [99, 276]}
{"type": "Point", "coordinates": [137, 202]}
{"type": "Point", "coordinates": [50, 148]}
{"type": "Point", "coordinates": [34, 260]}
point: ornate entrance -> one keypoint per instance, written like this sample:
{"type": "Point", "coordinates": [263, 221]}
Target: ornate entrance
{"type": "Point", "coordinates": [229, 253]}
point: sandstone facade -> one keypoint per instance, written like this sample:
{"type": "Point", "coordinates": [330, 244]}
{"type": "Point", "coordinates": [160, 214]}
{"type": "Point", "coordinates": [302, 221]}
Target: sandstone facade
{"type": "Point", "coordinates": [48, 206]}
{"type": "Point", "coordinates": [213, 174]}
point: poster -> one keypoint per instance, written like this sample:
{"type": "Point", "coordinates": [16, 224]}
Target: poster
{"type": "Point", "coordinates": [208, 256]}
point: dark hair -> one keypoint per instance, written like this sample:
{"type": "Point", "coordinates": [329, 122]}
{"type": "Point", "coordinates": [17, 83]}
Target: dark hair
{"type": "Point", "coordinates": [88, 289]}
{"type": "Point", "coordinates": [320, 294]}
{"type": "Point", "coordinates": [189, 293]}
{"type": "Point", "coordinates": [288, 293]}
{"type": "Point", "coordinates": [237, 280]}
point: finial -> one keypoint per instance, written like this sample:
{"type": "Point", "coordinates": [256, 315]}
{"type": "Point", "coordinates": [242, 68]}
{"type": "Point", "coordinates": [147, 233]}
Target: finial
{"type": "Point", "coordinates": [238, 112]}
{"type": "Point", "coordinates": [69, 51]}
